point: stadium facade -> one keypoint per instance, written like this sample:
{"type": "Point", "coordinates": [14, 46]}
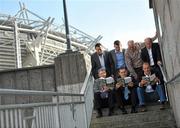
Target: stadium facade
{"type": "Point", "coordinates": [27, 39]}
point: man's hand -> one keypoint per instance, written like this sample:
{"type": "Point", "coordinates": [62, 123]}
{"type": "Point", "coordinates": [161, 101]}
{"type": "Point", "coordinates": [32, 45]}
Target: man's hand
{"type": "Point", "coordinates": [105, 88]}
{"type": "Point", "coordinates": [155, 37]}
{"type": "Point", "coordinates": [130, 84]}
{"type": "Point", "coordinates": [119, 85]}
{"type": "Point", "coordinates": [143, 82]}
{"type": "Point", "coordinates": [159, 62]}
{"type": "Point", "coordinates": [156, 80]}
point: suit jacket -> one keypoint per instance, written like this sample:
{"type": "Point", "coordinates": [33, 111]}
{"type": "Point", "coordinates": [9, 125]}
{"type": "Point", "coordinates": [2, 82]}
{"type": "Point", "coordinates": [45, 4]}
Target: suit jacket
{"type": "Point", "coordinates": [155, 52]}
{"type": "Point", "coordinates": [112, 61]}
{"type": "Point", "coordinates": [96, 65]}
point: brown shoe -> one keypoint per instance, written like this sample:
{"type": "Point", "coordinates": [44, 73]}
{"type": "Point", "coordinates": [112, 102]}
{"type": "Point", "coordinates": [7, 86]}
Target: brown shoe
{"type": "Point", "coordinates": [162, 107]}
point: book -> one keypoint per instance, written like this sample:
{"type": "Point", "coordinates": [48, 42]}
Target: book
{"type": "Point", "coordinates": [101, 82]}
{"type": "Point", "coordinates": [109, 81]}
{"type": "Point", "coordinates": [149, 79]}
{"type": "Point", "coordinates": [125, 81]}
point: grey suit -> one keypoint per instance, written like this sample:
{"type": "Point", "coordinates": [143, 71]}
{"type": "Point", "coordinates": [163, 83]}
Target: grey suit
{"type": "Point", "coordinates": [96, 65]}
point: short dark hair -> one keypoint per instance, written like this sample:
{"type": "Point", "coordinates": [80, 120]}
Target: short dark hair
{"type": "Point", "coordinates": [116, 42]}
{"type": "Point", "coordinates": [122, 67]}
{"type": "Point", "coordinates": [101, 69]}
{"type": "Point", "coordinates": [98, 45]}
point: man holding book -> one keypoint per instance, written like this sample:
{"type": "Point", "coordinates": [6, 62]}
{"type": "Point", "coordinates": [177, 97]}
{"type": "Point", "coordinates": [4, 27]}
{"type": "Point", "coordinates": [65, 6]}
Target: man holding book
{"type": "Point", "coordinates": [103, 92]}
{"type": "Point", "coordinates": [125, 89]}
{"type": "Point", "coordinates": [149, 82]}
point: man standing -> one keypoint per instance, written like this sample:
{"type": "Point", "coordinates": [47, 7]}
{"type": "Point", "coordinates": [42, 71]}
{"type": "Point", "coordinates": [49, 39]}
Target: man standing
{"type": "Point", "coordinates": [116, 58]}
{"type": "Point", "coordinates": [99, 59]}
{"type": "Point", "coordinates": [133, 59]}
{"type": "Point", "coordinates": [151, 54]}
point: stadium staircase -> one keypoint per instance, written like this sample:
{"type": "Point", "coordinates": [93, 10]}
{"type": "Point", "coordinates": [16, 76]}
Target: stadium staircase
{"type": "Point", "coordinates": [153, 118]}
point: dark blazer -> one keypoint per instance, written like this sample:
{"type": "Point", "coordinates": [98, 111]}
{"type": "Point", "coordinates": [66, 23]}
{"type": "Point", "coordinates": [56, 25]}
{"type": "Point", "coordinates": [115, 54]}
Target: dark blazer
{"type": "Point", "coordinates": [155, 52]}
{"type": "Point", "coordinates": [152, 72]}
{"type": "Point", "coordinates": [112, 61]}
{"type": "Point", "coordinates": [96, 65]}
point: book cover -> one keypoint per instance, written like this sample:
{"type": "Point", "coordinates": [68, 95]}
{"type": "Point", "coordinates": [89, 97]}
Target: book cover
{"type": "Point", "coordinates": [125, 81]}
{"type": "Point", "coordinates": [149, 79]}
{"type": "Point", "coordinates": [110, 82]}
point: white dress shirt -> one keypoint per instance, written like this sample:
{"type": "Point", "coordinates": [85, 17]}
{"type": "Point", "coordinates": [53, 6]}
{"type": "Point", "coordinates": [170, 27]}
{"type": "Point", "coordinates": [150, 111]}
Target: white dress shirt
{"type": "Point", "coordinates": [150, 57]}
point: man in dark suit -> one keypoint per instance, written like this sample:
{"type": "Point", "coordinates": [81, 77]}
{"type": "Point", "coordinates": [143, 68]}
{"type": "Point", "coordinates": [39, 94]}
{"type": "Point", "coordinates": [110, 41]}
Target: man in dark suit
{"type": "Point", "coordinates": [125, 91]}
{"type": "Point", "coordinates": [151, 54]}
{"type": "Point", "coordinates": [99, 59]}
{"type": "Point", "coordinates": [116, 58]}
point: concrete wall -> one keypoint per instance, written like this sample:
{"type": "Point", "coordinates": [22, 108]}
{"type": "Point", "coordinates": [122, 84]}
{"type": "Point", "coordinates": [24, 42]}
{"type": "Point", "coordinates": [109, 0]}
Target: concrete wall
{"type": "Point", "coordinates": [67, 75]}
{"type": "Point", "coordinates": [168, 24]}
{"type": "Point", "coordinates": [37, 78]}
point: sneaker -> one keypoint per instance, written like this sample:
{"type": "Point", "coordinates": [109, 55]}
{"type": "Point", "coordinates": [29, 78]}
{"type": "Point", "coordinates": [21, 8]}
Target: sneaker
{"type": "Point", "coordinates": [143, 108]}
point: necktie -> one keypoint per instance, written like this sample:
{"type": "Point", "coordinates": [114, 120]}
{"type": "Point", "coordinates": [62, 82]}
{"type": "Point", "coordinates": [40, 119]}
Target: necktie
{"type": "Point", "coordinates": [126, 93]}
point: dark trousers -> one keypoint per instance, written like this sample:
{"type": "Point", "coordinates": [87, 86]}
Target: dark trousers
{"type": "Point", "coordinates": [100, 103]}
{"type": "Point", "coordinates": [138, 72]}
{"type": "Point", "coordinates": [120, 96]}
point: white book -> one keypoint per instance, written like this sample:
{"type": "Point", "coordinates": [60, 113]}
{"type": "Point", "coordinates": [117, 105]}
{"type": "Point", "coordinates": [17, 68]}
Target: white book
{"type": "Point", "coordinates": [127, 80]}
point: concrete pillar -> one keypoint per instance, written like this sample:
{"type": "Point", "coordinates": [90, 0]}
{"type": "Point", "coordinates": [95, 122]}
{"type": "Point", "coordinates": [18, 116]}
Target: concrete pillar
{"type": "Point", "coordinates": [70, 72]}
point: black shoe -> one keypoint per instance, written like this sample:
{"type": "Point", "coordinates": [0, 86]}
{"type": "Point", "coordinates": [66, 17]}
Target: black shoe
{"type": "Point", "coordinates": [133, 110]}
{"type": "Point", "coordinates": [123, 110]}
{"type": "Point", "coordinates": [143, 108]}
{"type": "Point", "coordinates": [99, 113]}
{"type": "Point", "coordinates": [110, 113]}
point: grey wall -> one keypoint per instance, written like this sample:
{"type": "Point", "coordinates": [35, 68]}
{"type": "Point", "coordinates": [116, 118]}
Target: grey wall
{"type": "Point", "coordinates": [67, 75]}
{"type": "Point", "coordinates": [167, 14]}
{"type": "Point", "coordinates": [37, 78]}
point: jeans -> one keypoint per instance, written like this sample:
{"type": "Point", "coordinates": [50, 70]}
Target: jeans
{"type": "Point", "coordinates": [141, 91]}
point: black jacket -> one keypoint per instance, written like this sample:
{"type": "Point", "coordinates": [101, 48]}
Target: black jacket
{"type": "Point", "coordinates": [155, 52]}
{"type": "Point", "coordinates": [96, 65]}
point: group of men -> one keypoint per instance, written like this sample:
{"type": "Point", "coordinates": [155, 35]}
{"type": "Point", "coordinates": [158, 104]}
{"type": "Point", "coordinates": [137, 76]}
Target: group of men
{"type": "Point", "coordinates": [138, 64]}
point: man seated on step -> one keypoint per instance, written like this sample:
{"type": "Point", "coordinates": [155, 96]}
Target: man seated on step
{"type": "Point", "coordinates": [103, 93]}
{"type": "Point", "coordinates": [125, 90]}
{"type": "Point", "coordinates": [149, 82]}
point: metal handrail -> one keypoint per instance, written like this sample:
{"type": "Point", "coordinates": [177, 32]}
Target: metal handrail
{"type": "Point", "coordinates": [165, 79]}
{"type": "Point", "coordinates": [172, 79]}
{"type": "Point", "coordinates": [84, 87]}
{"type": "Point", "coordinates": [35, 93]}
{"type": "Point", "coordinates": [18, 106]}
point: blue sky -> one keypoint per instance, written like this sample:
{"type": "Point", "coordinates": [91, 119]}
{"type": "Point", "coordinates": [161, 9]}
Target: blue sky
{"type": "Point", "coordinates": [113, 19]}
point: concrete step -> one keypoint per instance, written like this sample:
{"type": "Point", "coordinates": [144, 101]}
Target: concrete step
{"type": "Point", "coordinates": [152, 118]}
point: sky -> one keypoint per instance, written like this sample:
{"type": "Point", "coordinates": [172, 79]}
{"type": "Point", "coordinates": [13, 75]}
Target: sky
{"type": "Point", "coordinates": [113, 19]}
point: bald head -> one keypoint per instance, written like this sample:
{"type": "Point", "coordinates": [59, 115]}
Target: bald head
{"type": "Point", "coordinates": [146, 68]}
{"type": "Point", "coordinates": [131, 44]}
{"type": "Point", "coordinates": [148, 42]}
